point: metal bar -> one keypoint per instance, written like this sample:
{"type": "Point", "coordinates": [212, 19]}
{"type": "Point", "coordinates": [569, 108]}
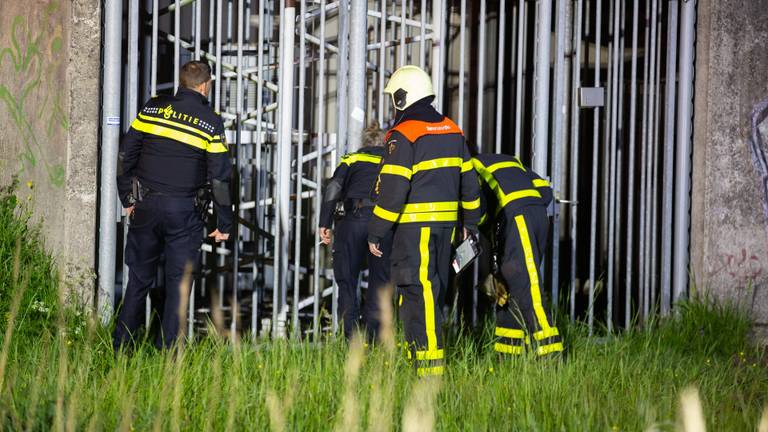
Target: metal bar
{"type": "Point", "coordinates": [595, 167]}
{"type": "Point", "coordinates": [574, 183]}
{"type": "Point", "coordinates": [132, 104]}
{"type": "Point", "coordinates": [612, 194]}
{"type": "Point", "coordinates": [238, 170]}
{"type": "Point", "coordinates": [358, 27]}
{"type": "Point", "coordinates": [620, 147]}
{"type": "Point", "coordinates": [299, 166]}
{"type": "Point", "coordinates": [520, 75]}
{"type": "Point", "coordinates": [541, 87]}
{"type": "Point", "coordinates": [382, 60]}
{"type": "Point", "coordinates": [259, 169]}
{"type": "Point", "coordinates": [558, 144]}
{"type": "Point", "coordinates": [153, 75]}
{"type": "Point", "coordinates": [341, 74]}
{"type": "Point", "coordinates": [632, 142]}
{"type": "Point", "coordinates": [683, 150]}
{"type": "Point", "coordinates": [462, 60]}
{"type": "Point", "coordinates": [401, 52]}
{"type": "Point", "coordinates": [319, 160]}
{"type": "Point", "coordinates": [669, 143]}
{"type": "Point", "coordinates": [500, 75]}
{"type": "Point", "coordinates": [110, 136]}
{"type": "Point", "coordinates": [423, 34]}
{"type": "Point", "coordinates": [643, 160]}
{"type": "Point", "coordinates": [649, 297]}
{"type": "Point", "coordinates": [198, 30]}
{"type": "Point", "coordinates": [480, 77]}
{"type": "Point", "coordinates": [217, 83]}
{"type": "Point", "coordinates": [655, 165]}
{"type": "Point", "coordinates": [176, 47]}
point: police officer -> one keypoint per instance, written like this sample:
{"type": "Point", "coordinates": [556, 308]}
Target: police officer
{"type": "Point", "coordinates": [427, 187]}
{"type": "Point", "coordinates": [517, 206]}
{"type": "Point", "coordinates": [173, 148]}
{"type": "Point", "coordinates": [353, 185]}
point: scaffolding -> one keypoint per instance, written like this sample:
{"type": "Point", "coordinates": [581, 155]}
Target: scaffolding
{"type": "Point", "coordinates": [573, 93]}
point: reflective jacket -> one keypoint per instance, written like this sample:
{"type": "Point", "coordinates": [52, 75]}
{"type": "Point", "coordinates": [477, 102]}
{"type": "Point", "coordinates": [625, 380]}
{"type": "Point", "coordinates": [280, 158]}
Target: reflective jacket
{"type": "Point", "coordinates": [354, 178]}
{"type": "Point", "coordinates": [511, 184]}
{"type": "Point", "coordinates": [426, 176]}
{"type": "Point", "coordinates": [174, 147]}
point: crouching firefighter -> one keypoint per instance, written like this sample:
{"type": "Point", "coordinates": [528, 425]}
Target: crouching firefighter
{"type": "Point", "coordinates": [351, 191]}
{"type": "Point", "coordinates": [174, 147]}
{"type": "Point", "coordinates": [517, 207]}
{"type": "Point", "coordinates": [427, 187]}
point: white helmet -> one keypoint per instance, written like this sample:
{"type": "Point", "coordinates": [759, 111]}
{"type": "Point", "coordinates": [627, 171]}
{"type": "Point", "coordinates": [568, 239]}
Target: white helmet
{"type": "Point", "coordinates": [408, 85]}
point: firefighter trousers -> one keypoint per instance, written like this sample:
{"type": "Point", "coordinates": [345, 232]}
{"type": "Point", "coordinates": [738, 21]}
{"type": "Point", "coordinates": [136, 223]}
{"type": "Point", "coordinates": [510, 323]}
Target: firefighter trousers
{"type": "Point", "coordinates": [420, 269]}
{"type": "Point", "coordinates": [525, 321]}
{"type": "Point", "coordinates": [350, 250]}
{"type": "Point", "coordinates": [160, 225]}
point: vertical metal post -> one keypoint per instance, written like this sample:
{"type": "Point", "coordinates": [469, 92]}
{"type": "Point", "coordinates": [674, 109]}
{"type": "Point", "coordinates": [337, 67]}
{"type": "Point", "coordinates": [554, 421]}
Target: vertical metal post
{"type": "Point", "coordinates": [631, 148]}
{"type": "Point", "coordinates": [669, 154]}
{"type": "Point", "coordinates": [612, 154]}
{"type": "Point", "coordinates": [558, 144]}
{"type": "Point", "coordinates": [300, 168]}
{"type": "Point", "coordinates": [219, 68]}
{"type": "Point", "coordinates": [319, 158]}
{"type": "Point", "coordinates": [110, 136]}
{"type": "Point", "coordinates": [642, 293]}
{"type": "Point", "coordinates": [341, 76]}
{"type": "Point", "coordinates": [153, 74]}
{"type": "Point", "coordinates": [521, 50]}
{"type": "Point", "coordinates": [357, 52]}
{"type": "Point", "coordinates": [382, 66]}
{"type": "Point", "coordinates": [462, 60]}
{"type": "Point", "coordinates": [198, 29]}
{"type": "Point", "coordinates": [236, 200]}
{"type": "Point", "coordinates": [595, 170]}
{"type": "Point", "coordinates": [576, 113]}
{"type": "Point", "coordinates": [439, 51]}
{"type": "Point", "coordinates": [655, 166]}
{"type": "Point", "coordinates": [132, 95]}
{"type": "Point", "coordinates": [480, 78]}
{"type": "Point", "coordinates": [284, 140]}
{"type": "Point", "coordinates": [258, 142]}
{"type": "Point", "coordinates": [683, 150]}
{"type": "Point", "coordinates": [541, 87]}
{"type": "Point", "coordinates": [500, 75]}
{"type": "Point", "coordinates": [423, 35]}
{"type": "Point", "coordinates": [402, 35]}
{"type": "Point", "coordinates": [176, 44]}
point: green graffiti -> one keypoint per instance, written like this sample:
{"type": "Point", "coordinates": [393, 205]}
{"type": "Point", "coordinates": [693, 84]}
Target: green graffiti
{"type": "Point", "coordinates": [34, 56]}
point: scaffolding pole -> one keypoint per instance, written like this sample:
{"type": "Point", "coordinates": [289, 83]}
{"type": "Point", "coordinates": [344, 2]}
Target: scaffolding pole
{"type": "Point", "coordinates": [358, 29]}
{"type": "Point", "coordinates": [541, 87]}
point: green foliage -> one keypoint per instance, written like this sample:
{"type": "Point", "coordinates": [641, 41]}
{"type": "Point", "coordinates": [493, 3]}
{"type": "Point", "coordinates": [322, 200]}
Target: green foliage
{"type": "Point", "coordinates": [628, 382]}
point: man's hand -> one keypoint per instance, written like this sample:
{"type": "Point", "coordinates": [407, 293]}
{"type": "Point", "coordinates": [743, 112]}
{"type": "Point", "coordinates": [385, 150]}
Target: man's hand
{"type": "Point", "coordinates": [325, 235]}
{"type": "Point", "coordinates": [129, 211]}
{"type": "Point", "coordinates": [374, 248]}
{"type": "Point", "coordinates": [219, 236]}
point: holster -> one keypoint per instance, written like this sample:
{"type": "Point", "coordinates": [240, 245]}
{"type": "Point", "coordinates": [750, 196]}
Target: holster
{"type": "Point", "coordinates": [203, 199]}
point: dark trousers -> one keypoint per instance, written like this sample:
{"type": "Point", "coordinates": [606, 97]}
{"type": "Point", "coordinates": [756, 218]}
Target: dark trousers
{"type": "Point", "coordinates": [160, 225]}
{"type": "Point", "coordinates": [525, 320]}
{"type": "Point", "coordinates": [350, 251]}
{"type": "Point", "coordinates": [420, 268]}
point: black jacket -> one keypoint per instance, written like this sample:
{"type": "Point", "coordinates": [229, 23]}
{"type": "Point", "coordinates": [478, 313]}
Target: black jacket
{"type": "Point", "coordinates": [174, 147]}
{"type": "Point", "coordinates": [508, 184]}
{"type": "Point", "coordinates": [354, 178]}
{"type": "Point", "coordinates": [426, 176]}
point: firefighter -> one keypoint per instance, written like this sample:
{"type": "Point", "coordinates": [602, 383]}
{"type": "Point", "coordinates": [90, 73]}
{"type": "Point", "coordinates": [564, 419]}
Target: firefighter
{"type": "Point", "coordinates": [174, 147]}
{"type": "Point", "coordinates": [517, 209]}
{"type": "Point", "coordinates": [352, 186]}
{"type": "Point", "coordinates": [427, 187]}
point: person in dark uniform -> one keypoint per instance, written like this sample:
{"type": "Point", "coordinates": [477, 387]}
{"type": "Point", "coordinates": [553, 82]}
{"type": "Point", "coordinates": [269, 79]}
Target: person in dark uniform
{"type": "Point", "coordinates": [353, 186]}
{"type": "Point", "coordinates": [515, 202]}
{"type": "Point", "coordinates": [427, 188]}
{"type": "Point", "coordinates": [173, 149]}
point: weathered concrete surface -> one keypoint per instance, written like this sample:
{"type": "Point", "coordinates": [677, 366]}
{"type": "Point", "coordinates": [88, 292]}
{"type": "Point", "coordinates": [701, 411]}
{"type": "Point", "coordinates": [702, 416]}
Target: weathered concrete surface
{"type": "Point", "coordinates": [729, 230]}
{"type": "Point", "coordinates": [49, 99]}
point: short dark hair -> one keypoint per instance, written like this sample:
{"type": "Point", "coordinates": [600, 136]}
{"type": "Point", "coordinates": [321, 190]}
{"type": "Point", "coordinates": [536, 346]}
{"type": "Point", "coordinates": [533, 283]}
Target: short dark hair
{"type": "Point", "coordinates": [373, 135]}
{"type": "Point", "coordinates": [194, 73]}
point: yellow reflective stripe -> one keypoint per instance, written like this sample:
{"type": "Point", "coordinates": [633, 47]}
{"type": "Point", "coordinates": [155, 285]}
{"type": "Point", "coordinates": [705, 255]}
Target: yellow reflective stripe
{"type": "Point", "coordinates": [507, 349]}
{"type": "Point", "coordinates": [546, 349]}
{"type": "Point", "coordinates": [430, 371]}
{"type": "Point", "coordinates": [543, 334]}
{"type": "Point", "coordinates": [431, 207]}
{"type": "Point", "coordinates": [540, 183]}
{"type": "Point", "coordinates": [466, 166]}
{"type": "Point", "coordinates": [428, 217]}
{"type": "Point", "coordinates": [426, 284]}
{"type": "Point", "coordinates": [533, 273]}
{"type": "Point", "coordinates": [217, 147]}
{"type": "Point", "coordinates": [510, 333]}
{"type": "Point", "coordinates": [450, 162]}
{"type": "Point", "coordinates": [396, 170]}
{"type": "Point", "coordinates": [430, 355]}
{"type": "Point", "coordinates": [176, 124]}
{"type": "Point", "coordinates": [169, 133]}
{"type": "Point", "coordinates": [385, 214]}
{"type": "Point", "coordinates": [525, 193]}
{"type": "Point", "coordinates": [508, 164]}
{"type": "Point", "coordinates": [471, 205]}
{"type": "Point", "coordinates": [360, 157]}
{"type": "Point", "coordinates": [400, 302]}
{"type": "Point", "coordinates": [483, 218]}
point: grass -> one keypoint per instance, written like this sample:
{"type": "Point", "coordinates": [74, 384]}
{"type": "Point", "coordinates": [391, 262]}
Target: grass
{"type": "Point", "coordinates": [61, 374]}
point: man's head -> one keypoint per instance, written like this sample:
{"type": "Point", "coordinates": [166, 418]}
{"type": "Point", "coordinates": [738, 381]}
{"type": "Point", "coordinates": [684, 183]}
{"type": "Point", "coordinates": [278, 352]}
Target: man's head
{"type": "Point", "coordinates": [196, 75]}
{"type": "Point", "coordinates": [373, 135]}
{"type": "Point", "coordinates": [408, 85]}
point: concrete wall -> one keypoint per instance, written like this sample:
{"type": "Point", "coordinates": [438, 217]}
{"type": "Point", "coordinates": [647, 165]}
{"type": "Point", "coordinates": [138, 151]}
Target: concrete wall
{"type": "Point", "coordinates": [729, 230]}
{"type": "Point", "coordinates": [49, 107]}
